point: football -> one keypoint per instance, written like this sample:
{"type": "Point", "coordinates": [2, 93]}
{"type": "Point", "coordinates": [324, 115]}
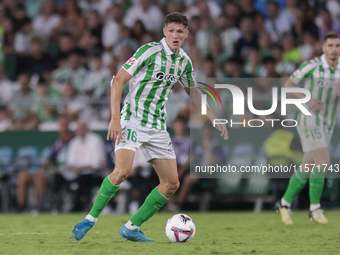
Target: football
{"type": "Point", "coordinates": [180, 228]}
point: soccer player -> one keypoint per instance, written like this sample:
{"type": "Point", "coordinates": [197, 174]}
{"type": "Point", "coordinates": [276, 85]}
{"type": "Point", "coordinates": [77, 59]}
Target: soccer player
{"type": "Point", "coordinates": [152, 71]}
{"type": "Point", "coordinates": [321, 77]}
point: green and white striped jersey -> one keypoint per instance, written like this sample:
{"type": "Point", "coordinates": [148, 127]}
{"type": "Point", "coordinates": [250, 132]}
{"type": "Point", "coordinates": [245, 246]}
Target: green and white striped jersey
{"type": "Point", "coordinates": [155, 70]}
{"type": "Point", "coordinates": [316, 76]}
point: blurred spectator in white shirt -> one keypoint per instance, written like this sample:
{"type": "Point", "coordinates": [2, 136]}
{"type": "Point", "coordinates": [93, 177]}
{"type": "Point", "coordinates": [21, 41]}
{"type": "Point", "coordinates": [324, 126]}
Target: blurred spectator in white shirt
{"type": "Point", "coordinates": [74, 106]}
{"type": "Point", "coordinates": [202, 8]}
{"type": "Point", "coordinates": [47, 21]}
{"type": "Point", "coordinates": [22, 38]}
{"type": "Point", "coordinates": [7, 89]}
{"type": "Point", "coordinates": [86, 151]}
{"type": "Point", "coordinates": [100, 6]}
{"type": "Point", "coordinates": [86, 158]}
{"type": "Point", "coordinates": [310, 46]}
{"type": "Point", "coordinates": [98, 79]}
{"type": "Point", "coordinates": [111, 31]}
{"type": "Point", "coordinates": [278, 23]}
{"type": "Point", "coordinates": [21, 103]}
{"type": "Point", "coordinates": [334, 7]}
{"type": "Point", "coordinates": [151, 16]}
{"type": "Point", "coordinates": [73, 71]}
{"type": "Point", "coordinates": [229, 33]}
{"type": "Point", "coordinates": [291, 9]}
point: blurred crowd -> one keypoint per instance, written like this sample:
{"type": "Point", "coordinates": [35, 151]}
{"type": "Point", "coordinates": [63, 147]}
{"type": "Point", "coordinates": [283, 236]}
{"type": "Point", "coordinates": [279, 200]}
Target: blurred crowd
{"type": "Point", "coordinates": [76, 164]}
{"type": "Point", "coordinates": [58, 57]}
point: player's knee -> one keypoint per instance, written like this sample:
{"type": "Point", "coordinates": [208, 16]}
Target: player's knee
{"type": "Point", "coordinates": [172, 187]}
{"type": "Point", "coordinates": [119, 175]}
{"type": "Point", "coordinates": [324, 165]}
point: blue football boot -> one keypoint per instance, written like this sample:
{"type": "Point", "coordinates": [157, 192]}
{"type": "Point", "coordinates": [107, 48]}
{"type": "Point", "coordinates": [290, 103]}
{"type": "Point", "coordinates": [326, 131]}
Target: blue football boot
{"type": "Point", "coordinates": [80, 230]}
{"type": "Point", "coordinates": [135, 235]}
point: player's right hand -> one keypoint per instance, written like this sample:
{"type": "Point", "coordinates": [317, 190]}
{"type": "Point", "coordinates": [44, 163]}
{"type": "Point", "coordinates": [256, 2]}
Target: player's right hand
{"type": "Point", "coordinates": [314, 104]}
{"type": "Point", "coordinates": [115, 130]}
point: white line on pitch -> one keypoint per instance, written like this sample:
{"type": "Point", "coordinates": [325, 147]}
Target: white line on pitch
{"type": "Point", "coordinates": [27, 233]}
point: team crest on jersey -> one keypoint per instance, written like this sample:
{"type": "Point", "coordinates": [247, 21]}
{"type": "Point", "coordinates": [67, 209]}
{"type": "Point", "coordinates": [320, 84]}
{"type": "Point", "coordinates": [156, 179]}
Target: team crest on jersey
{"type": "Point", "coordinates": [167, 77]}
{"type": "Point", "coordinates": [297, 72]}
{"type": "Point", "coordinates": [131, 61]}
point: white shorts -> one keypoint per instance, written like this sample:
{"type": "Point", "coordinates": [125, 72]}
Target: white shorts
{"type": "Point", "coordinates": [155, 143]}
{"type": "Point", "coordinates": [314, 137]}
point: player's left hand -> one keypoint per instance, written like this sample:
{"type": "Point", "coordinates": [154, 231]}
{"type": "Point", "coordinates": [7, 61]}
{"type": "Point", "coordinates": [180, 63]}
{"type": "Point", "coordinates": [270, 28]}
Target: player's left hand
{"type": "Point", "coordinates": [223, 129]}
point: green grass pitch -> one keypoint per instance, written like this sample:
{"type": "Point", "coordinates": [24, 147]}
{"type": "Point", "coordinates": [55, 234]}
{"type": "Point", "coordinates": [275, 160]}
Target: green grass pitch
{"type": "Point", "coordinates": [217, 233]}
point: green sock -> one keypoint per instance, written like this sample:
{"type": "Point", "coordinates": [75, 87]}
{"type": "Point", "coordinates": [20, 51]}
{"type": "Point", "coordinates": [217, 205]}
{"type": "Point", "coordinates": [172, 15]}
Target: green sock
{"type": "Point", "coordinates": [152, 204]}
{"type": "Point", "coordinates": [316, 183]}
{"type": "Point", "coordinates": [106, 192]}
{"type": "Point", "coordinates": [296, 184]}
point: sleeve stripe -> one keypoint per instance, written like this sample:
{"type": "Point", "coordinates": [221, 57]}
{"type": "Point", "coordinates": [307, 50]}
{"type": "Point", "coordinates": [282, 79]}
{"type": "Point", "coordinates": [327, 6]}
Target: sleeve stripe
{"type": "Point", "coordinates": [141, 59]}
{"type": "Point", "coordinates": [145, 63]}
{"type": "Point", "coordinates": [141, 50]}
{"type": "Point", "coordinates": [303, 65]}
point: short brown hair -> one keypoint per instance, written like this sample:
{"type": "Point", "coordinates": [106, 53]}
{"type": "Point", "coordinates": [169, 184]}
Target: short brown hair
{"type": "Point", "coordinates": [181, 118]}
{"type": "Point", "coordinates": [331, 35]}
{"type": "Point", "coordinates": [36, 39]}
{"type": "Point", "coordinates": [176, 17]}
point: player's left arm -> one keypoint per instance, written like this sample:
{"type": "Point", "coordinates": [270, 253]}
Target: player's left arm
{"type": "Point", "coordinates": [196, 96]}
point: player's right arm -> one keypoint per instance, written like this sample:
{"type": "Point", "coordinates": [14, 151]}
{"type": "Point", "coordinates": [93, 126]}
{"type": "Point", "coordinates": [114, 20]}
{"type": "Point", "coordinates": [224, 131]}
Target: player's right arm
{"type": "Point", "coordinates": [313, 104]}
{"type": "Point", "coordinates": [117, 83]}
{"type": "Point", "coordinates": [131, 68]}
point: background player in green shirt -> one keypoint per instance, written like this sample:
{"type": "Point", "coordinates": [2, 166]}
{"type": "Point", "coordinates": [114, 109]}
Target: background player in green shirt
{"type": "Point", "coordinates": [321, 77]}
{"type": "Point", "coordinates": [152, 71]}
